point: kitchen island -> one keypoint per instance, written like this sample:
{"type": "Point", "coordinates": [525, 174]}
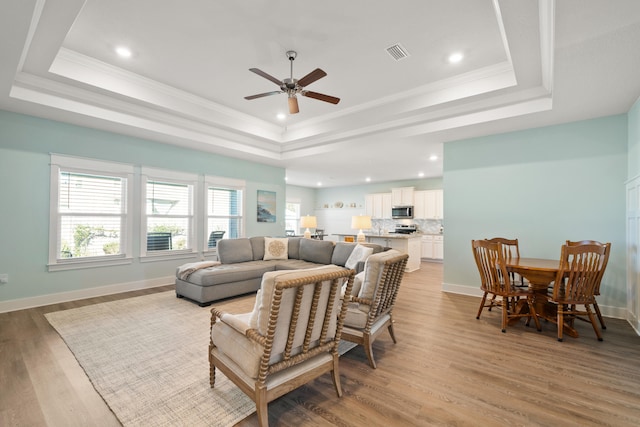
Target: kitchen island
{"type": "Point", "coordinates": [406, 243]}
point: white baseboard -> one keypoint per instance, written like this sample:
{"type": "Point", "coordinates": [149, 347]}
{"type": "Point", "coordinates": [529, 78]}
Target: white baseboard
{"type": "Point", "coordinates": [24, 303]}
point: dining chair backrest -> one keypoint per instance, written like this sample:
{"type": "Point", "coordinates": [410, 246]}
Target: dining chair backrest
{"type": "Point", "coordinates": [510, 247]}
{"type": "Point", "coordinates": [581, 268]}
{"type": "Point", "coordinates": [607, 247]}
{"type": "Point", "coordinates": [492, 266]}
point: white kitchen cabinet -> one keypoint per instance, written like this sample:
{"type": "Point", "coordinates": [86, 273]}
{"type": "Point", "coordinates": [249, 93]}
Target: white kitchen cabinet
{"type": "Point", "coordinates": [407, 245]}
{"type": "Point", "coordinates": [419, 204]}
{"type": "Point", "coordinates": [438, 247]}
{"type": "Point", "coordinates": [402, 196]}
{"type": "Point", "coordinates": [428, 204]}
{"type": "Point", "coordinates": [426, 247]}
{"type": "Point", "coordinates": [432, 247]}
{"type": "Point", "coordinates": [378, 205]}
{"type": "Point", "coordinates": [433, 204]}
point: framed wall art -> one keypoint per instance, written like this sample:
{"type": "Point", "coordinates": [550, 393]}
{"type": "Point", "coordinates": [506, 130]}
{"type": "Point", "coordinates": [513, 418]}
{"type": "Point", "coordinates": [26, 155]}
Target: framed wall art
{"type": "Point", "coordinates": [266, 206]}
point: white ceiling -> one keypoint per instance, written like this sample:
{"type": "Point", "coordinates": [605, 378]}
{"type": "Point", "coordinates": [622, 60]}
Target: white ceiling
{"type": "Point", "coordinates": [526, 64]}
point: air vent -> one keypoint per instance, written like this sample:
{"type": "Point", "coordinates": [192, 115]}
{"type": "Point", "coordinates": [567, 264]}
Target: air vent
{"type": "Point", "coordinates": [397, 52]}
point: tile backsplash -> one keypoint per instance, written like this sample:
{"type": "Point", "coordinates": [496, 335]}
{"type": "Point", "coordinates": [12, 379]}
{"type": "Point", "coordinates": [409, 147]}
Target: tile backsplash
{"type": "Point", "coordinates": [426, 226]}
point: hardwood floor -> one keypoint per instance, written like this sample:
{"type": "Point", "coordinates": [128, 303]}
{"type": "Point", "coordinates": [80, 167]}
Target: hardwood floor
{"type": "Point", "coordinates": [446, 369]}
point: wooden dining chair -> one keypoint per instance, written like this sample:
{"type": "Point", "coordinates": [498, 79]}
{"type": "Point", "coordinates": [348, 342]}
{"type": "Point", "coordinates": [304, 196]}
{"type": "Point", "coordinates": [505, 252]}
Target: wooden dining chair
{"type": "Point", "coordinates": [510, 249]}
{"type": "Point", "coordinates": [581, 268]}
{"type": "Point", "coordinates": [495, 280]}
{"type": "Point", "coordinates": [597, 290]}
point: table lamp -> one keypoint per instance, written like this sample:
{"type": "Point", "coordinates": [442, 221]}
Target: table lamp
{"type": "Point", "coordinates": [306, 222]}
{"type": "Point", "coordinates": [361, 222]}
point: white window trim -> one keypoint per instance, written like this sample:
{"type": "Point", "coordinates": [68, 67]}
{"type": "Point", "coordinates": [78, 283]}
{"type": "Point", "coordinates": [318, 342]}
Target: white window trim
{"type": "Point", "coordinates": [78, 164]}
{"type": "Point", "coordinates": [148, 173]}
{"type": "Point", "coordinates": [223, 182]}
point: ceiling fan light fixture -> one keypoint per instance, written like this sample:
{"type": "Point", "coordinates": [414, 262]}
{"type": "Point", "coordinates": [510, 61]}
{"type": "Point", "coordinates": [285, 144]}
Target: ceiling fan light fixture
{"type": "Point", "coordinates": [293, 105]}
{"type": "Point", "coordinates": [292, 86]}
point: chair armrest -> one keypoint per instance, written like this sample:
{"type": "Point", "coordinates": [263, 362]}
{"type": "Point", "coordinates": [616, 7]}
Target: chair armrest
{"type": "Point", "coordinates": [238, 324]}
{"type": "Point", "coordinates": [234, 320]}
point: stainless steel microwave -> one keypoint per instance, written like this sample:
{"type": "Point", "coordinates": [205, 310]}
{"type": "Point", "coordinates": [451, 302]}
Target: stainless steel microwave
{"type": "Point", "coordinates": [402, 212]}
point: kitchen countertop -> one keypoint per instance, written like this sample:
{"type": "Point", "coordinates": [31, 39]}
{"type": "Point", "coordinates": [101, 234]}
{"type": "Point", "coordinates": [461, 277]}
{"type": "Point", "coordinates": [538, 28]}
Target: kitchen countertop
{"type": "Point", "coordinates": [384, 236]}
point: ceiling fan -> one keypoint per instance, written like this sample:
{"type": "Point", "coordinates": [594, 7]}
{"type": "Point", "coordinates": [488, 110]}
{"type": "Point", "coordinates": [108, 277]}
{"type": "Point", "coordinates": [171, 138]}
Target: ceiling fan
{"type": "Point", "coordinates": [292, 86]}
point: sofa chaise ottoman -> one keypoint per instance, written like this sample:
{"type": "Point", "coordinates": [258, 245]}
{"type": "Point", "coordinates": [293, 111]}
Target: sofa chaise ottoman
{"type": "Point", "coordinates": [243, 261]}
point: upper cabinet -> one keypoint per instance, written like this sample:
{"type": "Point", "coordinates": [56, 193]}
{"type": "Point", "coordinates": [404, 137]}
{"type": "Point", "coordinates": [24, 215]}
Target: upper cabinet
{"type": "Point", "coordinates": [428, 204]}
{"type": "Point", "coordinates": [402, 196]}
{"type": "Point", "coordinates": [378, 205]}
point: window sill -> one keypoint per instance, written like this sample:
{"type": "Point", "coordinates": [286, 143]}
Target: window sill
{"type": "Point", "coordinates": [167, 256]}
{"type": "Point", "coordinates": [93, 263]}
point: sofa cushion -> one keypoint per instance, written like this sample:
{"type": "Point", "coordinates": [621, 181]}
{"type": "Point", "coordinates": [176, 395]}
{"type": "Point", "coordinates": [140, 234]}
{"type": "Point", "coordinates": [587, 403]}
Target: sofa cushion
{"type": "Point", "coordinates": [257, 246]}
{"type": "Point", "coordinates": [359, 253]}
{"type": "Point", "coordinates": [373, 271]}
{"type": "Point", "coordinates": [229, 273]}
{"type": "Point", "coordinates": [231, 251]}
{"type": "Point", "coordinates": [341, 252]}
{"type": "Point", "coordinates": [276, 248]}
{"type": "Point", "coordinates": [294, 247]}
{"type": "Point", "coordinates": [318, 251]}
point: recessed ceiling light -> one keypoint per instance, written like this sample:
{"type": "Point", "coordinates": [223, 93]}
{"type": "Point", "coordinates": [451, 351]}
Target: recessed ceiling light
{"type": "Point", "coordinates": [124, 52]}
{"type": "Point", "coordinates": [281, 116]}
{"type": "Point", "coordinates": [433, 158]}
{"type": "Point", "coordinates": [286, 178]}
{"type": "Point", "coordinates": [319, 184]}
{"type": "Point", "coordinates": [367, 179]}
{"type": "Point", "coordinates": [456, 57]}
{"type": "Point", "coordinates": [420, 174]}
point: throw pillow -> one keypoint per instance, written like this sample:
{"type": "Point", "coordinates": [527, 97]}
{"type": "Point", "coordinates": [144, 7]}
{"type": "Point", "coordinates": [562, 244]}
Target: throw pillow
{"type": "Point", "coordinates": [276, 248]}
{"type": "Point", "coordinates": [360, 253]}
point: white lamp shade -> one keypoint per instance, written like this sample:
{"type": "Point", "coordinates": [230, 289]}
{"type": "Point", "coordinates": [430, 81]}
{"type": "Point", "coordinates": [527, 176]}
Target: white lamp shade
{"type": "Point", "coordinates": [361, 222]}
{"type": "Point", "coordinates": [308, 222]}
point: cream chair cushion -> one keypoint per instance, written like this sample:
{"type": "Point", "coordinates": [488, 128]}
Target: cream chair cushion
{"type": "Point", "coordinates": [229, 334]}
{"type": "Point", "coordinates": [373, 271]}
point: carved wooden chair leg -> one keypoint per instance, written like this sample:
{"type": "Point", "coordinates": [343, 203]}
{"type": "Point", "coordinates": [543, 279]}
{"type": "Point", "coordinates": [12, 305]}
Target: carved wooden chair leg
{"type": "Point", "coordinates": [368, 349]}
{"type": "Point", "coordinates": [392, 332]}
{"type": "Point", "coordinates": [597, 309]}
{"type": "Point", "coordinates": [482, 302]}
{"type": "Point", "coordinates": [335, 376]}
{"type": "Point", "coordinates": [560, 321]}
{"type": "Point", "coordinates": [593, 322]}
{"type": "Point", "coordinates": [261, 407]}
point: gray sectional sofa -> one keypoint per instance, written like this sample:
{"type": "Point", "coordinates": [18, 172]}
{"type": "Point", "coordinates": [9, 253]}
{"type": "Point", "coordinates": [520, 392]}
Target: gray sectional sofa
{"type": "Point", "coordinates": [242, 263]}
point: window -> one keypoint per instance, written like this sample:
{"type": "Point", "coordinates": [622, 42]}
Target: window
{"type": "Point", "coordinates": [168, 217]}
{"type": "Point", "coordinates": [292, 217]}
{"type": "Point", "coordinates": [225, 210]}
{"type": "Point", "coordinates": [89, 220]}
{"type": "Point", "coordinates": [177, 214]}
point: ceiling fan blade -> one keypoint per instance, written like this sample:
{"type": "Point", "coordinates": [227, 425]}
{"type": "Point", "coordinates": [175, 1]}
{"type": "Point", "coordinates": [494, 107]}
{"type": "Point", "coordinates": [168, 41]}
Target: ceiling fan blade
{"type": "Point", "coordinates": [311, 77]}
{"type": "Point", "coordinates": [266, 76]}
{"type": "Point", "coordinates": [320, 96]}
{"type": "Point", "coordinates": [260, 95]}
{"type": "Point", "coordinates": [293, 105]}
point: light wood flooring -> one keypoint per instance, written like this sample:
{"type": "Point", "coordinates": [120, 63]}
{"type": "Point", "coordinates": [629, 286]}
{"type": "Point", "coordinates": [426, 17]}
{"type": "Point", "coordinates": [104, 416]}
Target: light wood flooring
{"type": "Point", "coordinates": [446, 369]}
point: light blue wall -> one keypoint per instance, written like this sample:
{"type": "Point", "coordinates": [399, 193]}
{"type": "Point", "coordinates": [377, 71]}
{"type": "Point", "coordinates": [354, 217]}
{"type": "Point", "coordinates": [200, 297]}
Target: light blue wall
{"type": "Point", "coordinates": [25, 144]}
{"type": "Point", "coordinates": [542, 186]}
{"type": "Point", "coordinates": [634, 141]}
{"type": "Point", "coordinates": [305, 196]}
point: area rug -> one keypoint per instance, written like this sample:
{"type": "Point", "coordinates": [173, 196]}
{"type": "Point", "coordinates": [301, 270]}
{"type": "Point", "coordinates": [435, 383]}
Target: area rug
{"type": "Point", "coordinates": [147, 357]}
